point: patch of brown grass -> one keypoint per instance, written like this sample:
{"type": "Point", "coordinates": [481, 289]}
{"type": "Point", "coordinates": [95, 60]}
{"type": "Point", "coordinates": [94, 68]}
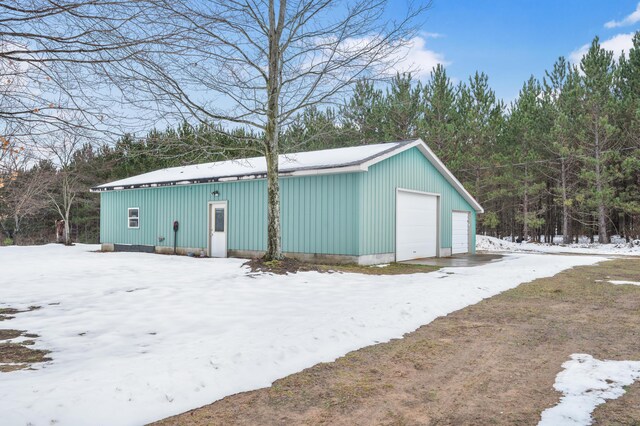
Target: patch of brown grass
{"type": "Point", "coordinates": [491, 363]}
{"type": "Point", "coordinates": [17, 355]}
{"type": "Point", "coordinates": [10, 334]}
{"type": "Point", "coordinates": [8, 313]}
{"type": "Point", "coordinates": [292, 266]}
{"type": "Point", "coordinates": [388, 269]}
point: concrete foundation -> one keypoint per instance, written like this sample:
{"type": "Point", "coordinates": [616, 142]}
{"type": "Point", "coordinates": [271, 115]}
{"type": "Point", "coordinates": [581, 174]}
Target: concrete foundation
{"type": "Point", "coordinates": [445, 251]}
{"type": "Point", "coordinates": [339, 259]}
{"type": "Point", "coordinates": [376, 259]}
{"type": "Point", "coordinates": [183, 251]}
{"type": "Point", "coordinates": [332, 259]}
{"type": "Point", "coordinates": [370, 259]}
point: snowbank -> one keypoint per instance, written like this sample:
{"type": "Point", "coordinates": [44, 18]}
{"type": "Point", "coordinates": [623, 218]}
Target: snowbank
{"type": "Point", "coordinates": [622, 282]}
{"type": "Point", "coordinates": [139, 337]}
{"type": "Point", "coordinates": [586, 383]}
{"type": "Point", "coordinates": [494, 244]}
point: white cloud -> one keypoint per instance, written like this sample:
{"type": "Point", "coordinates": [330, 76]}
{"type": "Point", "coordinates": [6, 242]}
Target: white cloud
{"type": "Point", "coordinates": [617, 44]}
{"type": "Point", "coordinates": [628, 20]}
{"type": "Point", "coordinates": [411, 55]}
{"type": "Point", "coordinates": [431, 35]}
{"type": "Point", "coordinates": [418, 59]}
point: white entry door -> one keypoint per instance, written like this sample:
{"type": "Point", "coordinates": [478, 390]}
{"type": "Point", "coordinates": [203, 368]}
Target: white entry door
{"type": "Point", "coordinates": [460, 232]}
{"type": "Point", "coordinates": [417, 225]}
{"type": "Point", "coordinates": [218, 229]}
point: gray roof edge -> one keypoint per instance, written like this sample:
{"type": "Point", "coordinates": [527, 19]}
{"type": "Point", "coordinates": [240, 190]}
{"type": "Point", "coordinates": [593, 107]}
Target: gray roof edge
{"type": "Point", "coordinates": [396, 145]}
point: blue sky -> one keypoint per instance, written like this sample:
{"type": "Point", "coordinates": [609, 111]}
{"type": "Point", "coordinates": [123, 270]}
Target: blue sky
{"type": "Point", "coordinates": [512, 39]}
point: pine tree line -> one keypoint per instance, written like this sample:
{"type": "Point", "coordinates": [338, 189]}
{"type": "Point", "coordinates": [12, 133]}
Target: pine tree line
{"type": "Point", "coordinates": [563, 158]}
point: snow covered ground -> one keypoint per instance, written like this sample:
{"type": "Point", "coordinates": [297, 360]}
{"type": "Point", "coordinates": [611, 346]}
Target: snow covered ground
{"type": "Point", "coordinates": [586, 383]}
{"type": "Point", "coordinates": [138, 337]}
{"type": "Point", "coordinates": [494, 244]}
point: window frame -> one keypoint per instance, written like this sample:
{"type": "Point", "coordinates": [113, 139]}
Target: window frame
{"type": "Point", "coordinates": [129, 217]}
{"type": "Point", "coordinates": [224, 219]}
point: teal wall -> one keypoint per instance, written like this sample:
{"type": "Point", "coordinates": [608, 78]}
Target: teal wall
{"type": "Point", "coordinates": [377, 193]}
{"type": "Point", "coordinates": [159, 207]}
{"type": "Point", "coordinates": [348, 213]}
{"type": "Point", "coordinates": [318, 214]}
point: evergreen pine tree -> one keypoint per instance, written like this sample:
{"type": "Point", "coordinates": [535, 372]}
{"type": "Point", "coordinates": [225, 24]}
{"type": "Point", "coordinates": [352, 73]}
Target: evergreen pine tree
{"type": "Point", "coordinates": [598, 67]}
{"type": "Point", "coordinates": [438, 128]}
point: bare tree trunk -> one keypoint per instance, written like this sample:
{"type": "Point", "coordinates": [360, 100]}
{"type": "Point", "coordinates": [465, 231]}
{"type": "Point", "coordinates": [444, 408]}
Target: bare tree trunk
{"type": "Point", "coordinates": [16, 229]}
{"type": "Point", "coordinates": [525, 207]}
{"type": "Point", "coordinates": [274, 244]}
{"type": "Point", "coordinates": [268, 60]}
{"type": "Point", "coordinates": [67, 233]}
{"type": "Point", "coordinates": [603, 238]}
{"type": "Point", "coordinates": [274, 249]}
{"type": "Point", "coordinates": [68, 189]}
{"type": "Point", "coordinates": [566, 238]}
{"type": "Point", "coordinates": [68, 199]}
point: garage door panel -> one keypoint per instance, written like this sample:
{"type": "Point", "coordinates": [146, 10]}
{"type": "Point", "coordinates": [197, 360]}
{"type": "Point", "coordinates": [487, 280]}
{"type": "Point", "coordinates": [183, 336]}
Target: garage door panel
{"type": "Point", "coordinates": [417, 225]}
{"type": "Point", "coordinates": [460, 232]}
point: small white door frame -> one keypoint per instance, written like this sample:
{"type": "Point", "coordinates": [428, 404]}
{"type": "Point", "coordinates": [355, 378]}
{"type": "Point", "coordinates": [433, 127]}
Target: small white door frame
{"type": "Point", "coordinates": [437, 217]}
{"type": "Point", "coordinates": [468, 229]}
{"type": "Point", "coordinates": [210, 206]}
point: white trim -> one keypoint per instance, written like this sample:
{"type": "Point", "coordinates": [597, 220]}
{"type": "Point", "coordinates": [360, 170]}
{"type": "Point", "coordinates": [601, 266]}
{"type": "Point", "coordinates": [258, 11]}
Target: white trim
{"type": "Point", "coordinates": [232, 179]}
{"type": "Point", "coordinates": [362, 167]}
{"type": "Point", "coordinates": [313, 172]}
{"type": "Point", "coordinates": [417, 192]}
{"type": "Point", "coordinates": [468, 229]}
{"type": "Point", "coordinates": [210, 225]}
{"type": "Point", "coordinates": [129, 218]}
{"type": "Point", "coordinates": [437, 163]}
{"type": "Point", "coordinates": [438, 224]}
{"type": "Point", "coordinates": [449, 176]}
{"type": "Point", "coordinates": [365, 166]}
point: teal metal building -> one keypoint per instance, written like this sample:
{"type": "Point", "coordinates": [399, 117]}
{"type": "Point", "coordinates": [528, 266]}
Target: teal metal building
{"type": "Point", "coordinates": [367, 204]}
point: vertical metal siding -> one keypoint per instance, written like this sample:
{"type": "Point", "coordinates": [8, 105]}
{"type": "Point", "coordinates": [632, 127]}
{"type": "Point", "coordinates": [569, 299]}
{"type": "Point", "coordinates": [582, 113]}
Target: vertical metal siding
{"type": "Point", "coordinates": [188, 204]}
{"type": "Point", "coordinates": [351, 214]}
{"type": "Point", "coordinates": [409, 170]}
{"type": "Point", "coordinates": [318, 214]}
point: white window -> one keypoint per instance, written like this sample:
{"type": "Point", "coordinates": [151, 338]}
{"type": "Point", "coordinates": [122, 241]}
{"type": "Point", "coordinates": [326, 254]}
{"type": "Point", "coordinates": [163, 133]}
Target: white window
{"type": "Point", "coordinates": [134, 217]}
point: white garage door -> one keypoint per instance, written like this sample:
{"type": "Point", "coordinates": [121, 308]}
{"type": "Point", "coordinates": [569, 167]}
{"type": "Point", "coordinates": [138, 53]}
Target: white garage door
{"type": "Point", "coordinates": [460, 232]}
{"type": "Point", "coordinates": [417, 225]}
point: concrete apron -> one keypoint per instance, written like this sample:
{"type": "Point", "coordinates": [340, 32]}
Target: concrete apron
{"type": "Point", "coordinates": [457, 260]}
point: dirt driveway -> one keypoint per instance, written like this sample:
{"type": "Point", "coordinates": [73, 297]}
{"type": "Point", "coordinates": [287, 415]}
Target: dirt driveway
{"type": "Point", "coordinates": [491, 363]}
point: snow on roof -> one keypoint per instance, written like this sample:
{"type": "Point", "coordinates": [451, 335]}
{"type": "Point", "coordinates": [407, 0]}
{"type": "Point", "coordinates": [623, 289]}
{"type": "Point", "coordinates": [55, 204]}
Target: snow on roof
{"type": "Point", "coordinates": [254, 167]}
{"type": "Point", "coordinates": [339, 160]}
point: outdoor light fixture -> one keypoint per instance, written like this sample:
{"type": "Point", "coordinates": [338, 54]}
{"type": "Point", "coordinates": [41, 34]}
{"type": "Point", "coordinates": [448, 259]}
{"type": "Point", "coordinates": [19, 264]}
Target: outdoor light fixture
{"type": "Point", "coordinates": [215, 193]}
